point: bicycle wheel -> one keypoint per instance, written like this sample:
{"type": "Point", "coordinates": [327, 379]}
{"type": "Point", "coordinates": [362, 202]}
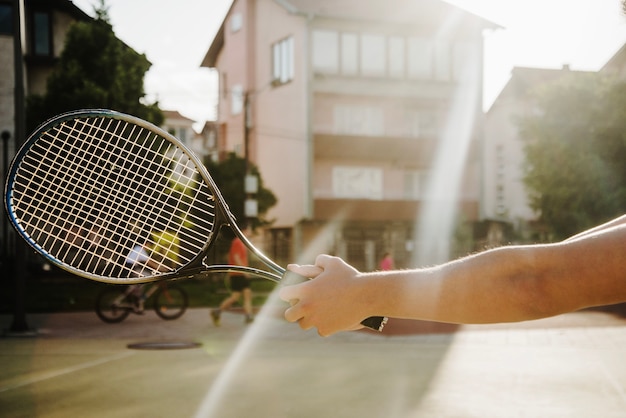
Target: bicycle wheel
{"type": "Point", "coordinates": [170, 302]}
{"type": "Point", "coordinates": [108, 306]}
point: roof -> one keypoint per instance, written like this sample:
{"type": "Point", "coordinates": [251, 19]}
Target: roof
{"type": "Point", "coordinates": [389, 11]}
{"type": "Point", "coordinates": [617, 60]}
{"type": "Point", "coordinates": [524, 78]}
{"type": "Point", "coordinates": [175, 115]}
{"type": "Point", "coordinates": [65, 6]}
{"type": "Point", "coordinates": [395, 11]}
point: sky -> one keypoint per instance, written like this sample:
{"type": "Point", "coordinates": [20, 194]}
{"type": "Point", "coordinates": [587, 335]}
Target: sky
{"type": "Point", "coordinates": [583, 34]}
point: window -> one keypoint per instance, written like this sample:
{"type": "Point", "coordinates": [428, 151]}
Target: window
{"type": "Point", "coordinates": [325, 51]}
{"type": "Point", "coordinates": [236, 22]}
{"type": "Point", "coordinates": [379, 55]}
{"type": "Point", "coordinates": [349, 54]}
{"type": "Point", "coordinates": [463, 56]}
{"type": "Point", "coordinates": [6, 19]}
{"type": "Point", "coordinates": [442, 60]}
{"type": "Point", "coordinates": [182, 135]}
{"type": "Point", "coordinates": [412, 186]}
{"type": "Point", "coordinates": [373, 55]}
{"type": "Point", "coordinates": [396, 57]}
{"type": "Point", "coordinates": [420, 58]}
{"type": "Point", "coordinates": [42, 42]}
{"type": "Point", "coordinates": [358, 120]}
{"type": "Point", "coordinates": [236, 99]}
{"type": "Point", "coordinates": [358, 183]}
{"type": "Point", "coordinates": [282, 61]}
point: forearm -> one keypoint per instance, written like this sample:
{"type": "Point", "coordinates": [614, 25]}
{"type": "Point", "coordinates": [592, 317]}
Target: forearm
{"type": "Point", "coordinates": [494, 286]}
{"type": "Point", "coordinates": [510, 283]}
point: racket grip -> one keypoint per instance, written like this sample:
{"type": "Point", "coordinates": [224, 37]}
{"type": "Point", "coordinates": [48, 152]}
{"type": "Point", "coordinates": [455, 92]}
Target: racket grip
{"type": "Point", "coordinates": [376, 323]}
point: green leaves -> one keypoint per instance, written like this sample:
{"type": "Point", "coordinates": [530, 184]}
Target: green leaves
{"type": "Point", "coordinates": [575, 148]}
{"type": "Point", "coordinates": [95, 70]}
{"type": "Point", "coordinates": [229, 175]}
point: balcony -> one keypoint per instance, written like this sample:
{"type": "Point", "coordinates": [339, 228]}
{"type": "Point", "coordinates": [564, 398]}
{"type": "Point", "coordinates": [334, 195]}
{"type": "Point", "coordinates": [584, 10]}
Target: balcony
{"type": "Point", "coordinates": [380, 210]}
{"type": "Point", "coordinates": [409, 151]}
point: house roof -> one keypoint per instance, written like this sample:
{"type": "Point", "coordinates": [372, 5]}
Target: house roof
{"type": "Point", "coordinates": [65, 6]}
{"type": "Point", "coordinates": [525, 78]}
{"type": "Point", "coordinates": [175, 115]}
{"type": "Point", "coordinates": [616, 61]}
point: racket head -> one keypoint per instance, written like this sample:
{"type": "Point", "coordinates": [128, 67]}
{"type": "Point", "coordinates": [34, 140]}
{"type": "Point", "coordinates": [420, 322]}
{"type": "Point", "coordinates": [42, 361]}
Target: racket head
{"type": "Point", "coordinates": [99, 193]}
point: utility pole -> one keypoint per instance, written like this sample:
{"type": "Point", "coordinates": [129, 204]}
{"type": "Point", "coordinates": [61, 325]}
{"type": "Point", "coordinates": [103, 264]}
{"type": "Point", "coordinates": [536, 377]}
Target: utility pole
{"type": "Point", "coordinates": [251, 184]}
{"type": "Point", "coordinates": [19, 324]}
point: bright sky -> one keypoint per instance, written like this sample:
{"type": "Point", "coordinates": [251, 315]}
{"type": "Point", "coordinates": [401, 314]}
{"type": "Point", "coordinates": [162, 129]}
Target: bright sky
{"type": "Point", "coordinates": [537, 33]}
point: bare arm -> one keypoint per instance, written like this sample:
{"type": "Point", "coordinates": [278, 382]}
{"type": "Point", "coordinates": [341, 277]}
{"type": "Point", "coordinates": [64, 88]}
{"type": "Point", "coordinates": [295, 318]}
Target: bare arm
{"type": "Point", "coordinates": [502, 285]}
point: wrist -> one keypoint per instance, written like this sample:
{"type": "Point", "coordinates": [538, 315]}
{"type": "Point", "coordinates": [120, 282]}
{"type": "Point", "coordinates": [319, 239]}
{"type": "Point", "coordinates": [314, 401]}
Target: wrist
{"type": "Point", "coordinates": [369, 298]}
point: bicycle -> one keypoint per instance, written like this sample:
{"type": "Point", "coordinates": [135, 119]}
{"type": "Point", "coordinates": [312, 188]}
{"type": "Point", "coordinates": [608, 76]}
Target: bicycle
{"type": "Point", "coordinates": [115, 303]}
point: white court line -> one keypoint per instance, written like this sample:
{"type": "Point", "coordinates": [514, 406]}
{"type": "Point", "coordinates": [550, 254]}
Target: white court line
{"type": "Point", "coordinates": [67, 370]}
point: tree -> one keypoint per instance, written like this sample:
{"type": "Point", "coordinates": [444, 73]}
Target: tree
{"type": "Point", "coordinates": [575, 145]}
{"type": "Point", "coordinates": [95, 70]}
{"type": "Point", "coordinates": [229, 175]}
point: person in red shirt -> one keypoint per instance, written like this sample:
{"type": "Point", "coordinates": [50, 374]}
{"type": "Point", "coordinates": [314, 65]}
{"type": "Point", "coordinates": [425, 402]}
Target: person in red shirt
{"type": "Point", "coordinates": [239, 283]}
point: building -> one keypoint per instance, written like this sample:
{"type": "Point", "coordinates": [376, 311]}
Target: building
{"type": "Point", "coordinates": [505, 203]}
{"type": "Point", "coordinates": [45, 24]}
{"type": "Point", "coordinates": [181, 127]}
{"type": "Point", "coordinates": [616, 65]}
{"type": "Point", "coordinates": [357, 114]}
{"type": "Point", "coordinates": [505, 211]}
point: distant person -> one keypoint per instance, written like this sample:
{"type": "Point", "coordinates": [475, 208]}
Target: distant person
{"type": "Point", "coordinates": [506, 284]}
{"type": "Point", "coordinates": [239, 282]}
{"type": "Point", "coordinates": [386, 263]}
{"type": "Point", "coordinates": [140, 264]}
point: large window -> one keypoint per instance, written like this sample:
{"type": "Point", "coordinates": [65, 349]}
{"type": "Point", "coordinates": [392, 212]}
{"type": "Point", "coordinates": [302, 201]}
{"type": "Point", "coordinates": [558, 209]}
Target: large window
{"type": "Point", "coordinates": [420, 57]}
{"type": "Point", "coordinates": [349, 54]}
{"type": "Point", "coordinates": [380, 55]}
{"type": "Point", "coordinates": [42, 35]}
{"type": "Point", "coordinates": [326, 51]}
{"type": "Point", "coordinates": [373, 55]}
{"type": "Point", "coordinates": [397, 54]}
{"type": "Point", "coordinates": [282, 61]}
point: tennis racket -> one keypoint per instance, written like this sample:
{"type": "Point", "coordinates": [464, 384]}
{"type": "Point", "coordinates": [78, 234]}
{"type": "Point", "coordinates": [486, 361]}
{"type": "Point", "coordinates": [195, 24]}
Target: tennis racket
{"type": "Point", "coordinates": [104, 195]}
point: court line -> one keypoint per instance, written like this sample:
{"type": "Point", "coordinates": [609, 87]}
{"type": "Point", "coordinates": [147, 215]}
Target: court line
{"type": "Point", "coordinates": [66, 370]}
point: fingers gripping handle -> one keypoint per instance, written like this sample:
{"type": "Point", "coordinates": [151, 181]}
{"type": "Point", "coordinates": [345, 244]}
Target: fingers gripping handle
{"type": "Point", "coordinates": [376, 323]}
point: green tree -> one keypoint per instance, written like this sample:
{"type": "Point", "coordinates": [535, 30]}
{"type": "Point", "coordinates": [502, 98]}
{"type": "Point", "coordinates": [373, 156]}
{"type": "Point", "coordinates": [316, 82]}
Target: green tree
{"type": "Point", "coordinates": [575, 145]}
{"type": "Point", "coordinates": [229, 175]}
{"type": "Point", "coordinates": [95, 70]}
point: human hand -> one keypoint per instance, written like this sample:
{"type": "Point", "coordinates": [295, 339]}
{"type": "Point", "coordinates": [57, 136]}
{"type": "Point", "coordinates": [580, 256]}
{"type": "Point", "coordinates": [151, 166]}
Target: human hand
{"type": "Point", "coordinates": [330, 302]}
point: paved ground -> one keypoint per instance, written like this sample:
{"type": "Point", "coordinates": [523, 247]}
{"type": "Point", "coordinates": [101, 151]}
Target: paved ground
{"type": "Point", "coordinates": [77, 366]}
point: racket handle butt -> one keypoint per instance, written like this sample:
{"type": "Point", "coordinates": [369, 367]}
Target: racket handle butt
{"type": "Point", "coordinates": [376, 323]}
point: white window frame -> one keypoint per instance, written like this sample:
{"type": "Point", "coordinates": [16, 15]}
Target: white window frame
{"type": "Point", "coordinates": [283, 68]}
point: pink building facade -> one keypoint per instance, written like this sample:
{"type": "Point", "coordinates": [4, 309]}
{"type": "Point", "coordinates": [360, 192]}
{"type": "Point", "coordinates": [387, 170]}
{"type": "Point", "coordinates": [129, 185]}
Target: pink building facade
{"type": "Point", "coordinates": [361, 115]}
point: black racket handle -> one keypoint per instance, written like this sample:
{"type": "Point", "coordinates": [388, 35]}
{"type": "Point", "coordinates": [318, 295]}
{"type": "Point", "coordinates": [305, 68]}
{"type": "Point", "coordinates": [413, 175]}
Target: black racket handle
{"type": "Point", "coordinates": [376, 323]}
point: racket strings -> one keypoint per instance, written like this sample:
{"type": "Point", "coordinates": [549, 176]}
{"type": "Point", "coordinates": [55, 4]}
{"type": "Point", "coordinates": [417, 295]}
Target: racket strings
{"type": "Point", "coordinates": [97, 186]}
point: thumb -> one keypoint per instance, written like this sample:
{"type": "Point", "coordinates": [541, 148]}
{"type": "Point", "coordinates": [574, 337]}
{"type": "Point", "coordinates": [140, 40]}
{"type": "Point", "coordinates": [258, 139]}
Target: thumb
{"type": "Point", "coordinates": [307, 270]}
